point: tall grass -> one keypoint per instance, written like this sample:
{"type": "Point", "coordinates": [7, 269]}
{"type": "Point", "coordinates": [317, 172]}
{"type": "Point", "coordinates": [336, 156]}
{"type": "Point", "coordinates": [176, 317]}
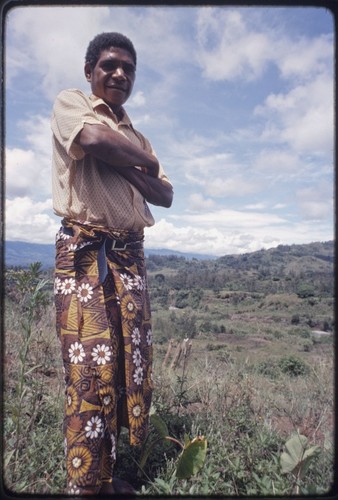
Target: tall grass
{"type": "Point", "coordinates": [246, 408]}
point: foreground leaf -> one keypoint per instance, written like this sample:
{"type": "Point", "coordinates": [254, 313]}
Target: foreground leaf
{"type": "Point", "coordinates": [293, 454]}
{"type": "Point", "coordinates": [307, 458]}
{"type": "Point", "coordinates": [192, 458]}
{"type": "Point", "coordinates": [159, 425]}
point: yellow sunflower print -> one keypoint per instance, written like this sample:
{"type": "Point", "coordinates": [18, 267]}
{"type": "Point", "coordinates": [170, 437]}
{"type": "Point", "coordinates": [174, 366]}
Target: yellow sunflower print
{"type": "Point", "coordinates": [107, 397]}
{"type": "Point", "coordinates": [128, 307]}
{"type": "Point", "coordinates": [78, 462]}
{"type": "Point", "coordinates": [136, 409]}
{"type": "Point", "coordinates": [72, 401]}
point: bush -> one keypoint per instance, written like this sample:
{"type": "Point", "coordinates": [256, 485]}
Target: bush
{"type": "Point", "coordinates": [295, 319]}
{"type": "Point", "coordinates": [303, 332]}
{"type": "Point", "coordinates": [293, 366]}
{"type": "Point", "coordinates": [304, 291]}
{"type": "Point", "coordinates": [268, 368]}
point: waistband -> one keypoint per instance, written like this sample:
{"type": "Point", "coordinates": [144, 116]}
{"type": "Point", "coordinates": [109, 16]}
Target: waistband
{"type": "Point", "coordinates": [92, 231]}
{"type": "Point", "coordinates": [106, 241]}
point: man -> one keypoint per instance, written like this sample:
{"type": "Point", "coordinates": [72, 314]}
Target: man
{"type": "Point", "coordinates": [104, 173]}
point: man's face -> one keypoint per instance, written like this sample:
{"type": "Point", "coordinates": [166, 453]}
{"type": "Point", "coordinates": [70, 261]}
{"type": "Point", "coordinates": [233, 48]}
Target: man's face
{"type": "Point", "coordinates": [113, 76]}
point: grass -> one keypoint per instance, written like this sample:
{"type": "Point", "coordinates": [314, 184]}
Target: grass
{"type": "Point", "coordinates": [247, 389]}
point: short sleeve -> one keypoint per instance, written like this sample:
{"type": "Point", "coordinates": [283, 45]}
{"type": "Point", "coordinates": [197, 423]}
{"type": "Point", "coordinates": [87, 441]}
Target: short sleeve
{"type": "Point", "coordinates": [72, 109]}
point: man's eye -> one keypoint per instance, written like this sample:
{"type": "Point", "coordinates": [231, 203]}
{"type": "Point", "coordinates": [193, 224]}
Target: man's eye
{"type": "Point", "coordinates": [128, 68]}
{"type": "Point", "coordinates": [109, 66]}
{"type": "Point", "coordinates": [112, 66]}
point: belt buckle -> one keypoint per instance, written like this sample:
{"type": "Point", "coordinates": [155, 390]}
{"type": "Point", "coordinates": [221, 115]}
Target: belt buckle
{"type": "Point", "coordinates": [115, 247]}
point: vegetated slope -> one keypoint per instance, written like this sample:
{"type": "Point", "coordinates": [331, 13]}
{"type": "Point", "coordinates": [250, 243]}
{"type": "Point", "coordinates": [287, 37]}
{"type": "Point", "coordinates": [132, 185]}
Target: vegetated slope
{"type": "Point", "coordinates": [284, 268]}
{"type": "Point", "coordinates": [270, 292]}
{"type": "Point", "coordinates": [312, 256]}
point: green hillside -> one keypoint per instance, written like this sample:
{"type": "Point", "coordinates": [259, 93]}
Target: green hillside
{"type": "Point", "coordinates": [259, 371]}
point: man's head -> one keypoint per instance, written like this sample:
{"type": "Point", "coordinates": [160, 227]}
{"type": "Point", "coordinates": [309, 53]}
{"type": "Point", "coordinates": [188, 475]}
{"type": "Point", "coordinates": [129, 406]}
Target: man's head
{"type": "Point", "coordinates": [105, 41]}
{"type": "Point", "coordinates": [110, 68]}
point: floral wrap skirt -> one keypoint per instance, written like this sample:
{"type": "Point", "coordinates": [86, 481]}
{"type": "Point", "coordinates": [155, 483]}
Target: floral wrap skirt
{"type": "Point", "coordinates": [104, 326]}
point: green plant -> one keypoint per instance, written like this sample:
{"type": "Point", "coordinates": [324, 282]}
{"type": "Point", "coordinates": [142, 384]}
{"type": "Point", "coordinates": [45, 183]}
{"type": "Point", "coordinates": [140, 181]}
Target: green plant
{"type": "Point", "coordinates": [296, 459]}
{"type": "Point", "coordinates": [268, 368]}
{"type": "Point", "coordinates": [293, 366]}
{"type": "Point", "coordinates": [193, 451]}
{"type": "Point", "coordinates": [29, 289]}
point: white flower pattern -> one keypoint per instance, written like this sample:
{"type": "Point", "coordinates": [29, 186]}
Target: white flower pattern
{"type": "Point", "coordinates": [94, 427]}
{"type": "Point", "coordinates": [67, 286]}
{"type": "Point", "coordinates": [73, 489]}
{"type": "Point", "coordinates": [101, 354]}
{"type": "Point", "coordinates": [85, 292]}
{"type": "Point", "coordinates": [138, 376]}
{"type": "Point", "coordinates": [137, 358]}
{"type": "Point", "coordinates": [127, 281]}
{"type": "Point", "coordinates": [57, 285]}
{"type": "Point", "coordinates": [76, 353]}
{"type": "Point", "coordinates": [136, 337]}
{"type": "Point", "coordinates": [138, 282]}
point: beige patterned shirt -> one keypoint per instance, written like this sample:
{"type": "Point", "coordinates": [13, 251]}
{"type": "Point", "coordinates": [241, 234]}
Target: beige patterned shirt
{"type": "Point", "coordinates": [83, 190]}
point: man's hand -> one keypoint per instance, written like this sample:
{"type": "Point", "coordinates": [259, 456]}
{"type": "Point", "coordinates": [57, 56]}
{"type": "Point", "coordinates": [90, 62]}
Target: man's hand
{"type": "Point", "coordinates": [154, 190]}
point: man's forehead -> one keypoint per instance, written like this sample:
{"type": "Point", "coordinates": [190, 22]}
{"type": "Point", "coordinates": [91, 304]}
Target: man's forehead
{"type": "Point", "coordinates": [116, 53]}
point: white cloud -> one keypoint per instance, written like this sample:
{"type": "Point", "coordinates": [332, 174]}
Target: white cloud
{"type": "Point", "coordinates": [236, 185]}
{"type": "Point", "coordinates": [28, 171]}
{"type": "Point", "coordinates": [240, 43]}
{"type": "Point", "coordinates": [316, 203]}
{"type": "Point", "coordinates": [233, 219]}
{"type": "Point", "coordinates": [228, 48]}
{"type": "Point", "coordinates": [305, 57]}
{"type": "Point", "coordinates": [275, 161]}
{"type": "Point", "coordinates": [255, 206]}
{"type": "Point", "coordinates": [303, 117]}
{"type": "Point", "coordinates": [21, 168]}
{"type": "Point", "coordinates": [232, 233]}
{"type": "Point", "coordinates": [30, 221]}
{"type": "Point", "coordinates": [137, 100]}
{"type": "Point", "coordinates": [45, 38]}
{"type": "Point", "coordinates": [198, 203]}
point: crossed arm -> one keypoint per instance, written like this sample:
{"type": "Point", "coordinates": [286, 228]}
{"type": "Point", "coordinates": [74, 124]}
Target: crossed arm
{"type": "Point", "coordinates": [118, 152]}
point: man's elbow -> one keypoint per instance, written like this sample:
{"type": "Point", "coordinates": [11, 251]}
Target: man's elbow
{"type": "Point", "coordinates": [90, 137]}
{"type": "Point", "coordinates": [164, 199]}
{"type": "Point", "coordinates": [168, 198]}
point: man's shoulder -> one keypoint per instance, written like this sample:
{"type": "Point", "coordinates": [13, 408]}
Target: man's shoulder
{"type": "Point", "coordinates": [71, 99]}
{"type": "Point", "coordinates": [71, 92]}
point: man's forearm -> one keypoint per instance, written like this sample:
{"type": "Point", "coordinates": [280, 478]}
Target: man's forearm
{"type": "Point", "coordinates": [113, 148]}
{"type": "Point", "coordinates": [154, 190]}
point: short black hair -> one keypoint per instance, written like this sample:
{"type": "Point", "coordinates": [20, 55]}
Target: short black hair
{"type": "Point", "coordinates": [104, 41]}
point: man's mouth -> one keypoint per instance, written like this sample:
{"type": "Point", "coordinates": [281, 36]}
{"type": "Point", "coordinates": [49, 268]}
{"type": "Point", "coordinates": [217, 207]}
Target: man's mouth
{"type": "Point", "coordinates": [116, 87]}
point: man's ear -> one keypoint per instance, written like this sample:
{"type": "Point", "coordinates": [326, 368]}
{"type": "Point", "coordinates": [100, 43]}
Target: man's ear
{"type": "Point", "coordinates": [88, 72]}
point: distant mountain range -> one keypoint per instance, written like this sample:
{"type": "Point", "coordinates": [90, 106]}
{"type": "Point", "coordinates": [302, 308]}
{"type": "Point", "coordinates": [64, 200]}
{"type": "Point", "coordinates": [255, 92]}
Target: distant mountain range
{"type": "Point", "coordinates": [19, 253]}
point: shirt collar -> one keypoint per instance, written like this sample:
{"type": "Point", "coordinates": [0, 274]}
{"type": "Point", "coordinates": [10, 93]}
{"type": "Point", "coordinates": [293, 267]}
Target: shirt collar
{"type": "Point", "coordinates": [98, 101]}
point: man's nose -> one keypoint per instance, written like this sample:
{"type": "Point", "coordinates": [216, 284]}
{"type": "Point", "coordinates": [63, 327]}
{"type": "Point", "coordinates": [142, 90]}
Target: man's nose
{"type": "Point", "coordinates": [119, 72]}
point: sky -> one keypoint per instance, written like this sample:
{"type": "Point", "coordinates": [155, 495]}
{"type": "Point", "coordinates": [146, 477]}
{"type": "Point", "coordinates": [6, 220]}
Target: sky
{"type": "Point", "coordinates": [238, 103]}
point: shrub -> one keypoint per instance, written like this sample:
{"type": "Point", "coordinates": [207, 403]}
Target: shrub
{"type": "Point", "coordinates": [295, 319]}
{"type": "Point", "coordinates": [293, 366]}
{"type": "Point", "coordinates": [304, 291]}
{"type": "Point", "coordinates": [303, 332]}
{"type": "Point", "coordinates": [269, 368]}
